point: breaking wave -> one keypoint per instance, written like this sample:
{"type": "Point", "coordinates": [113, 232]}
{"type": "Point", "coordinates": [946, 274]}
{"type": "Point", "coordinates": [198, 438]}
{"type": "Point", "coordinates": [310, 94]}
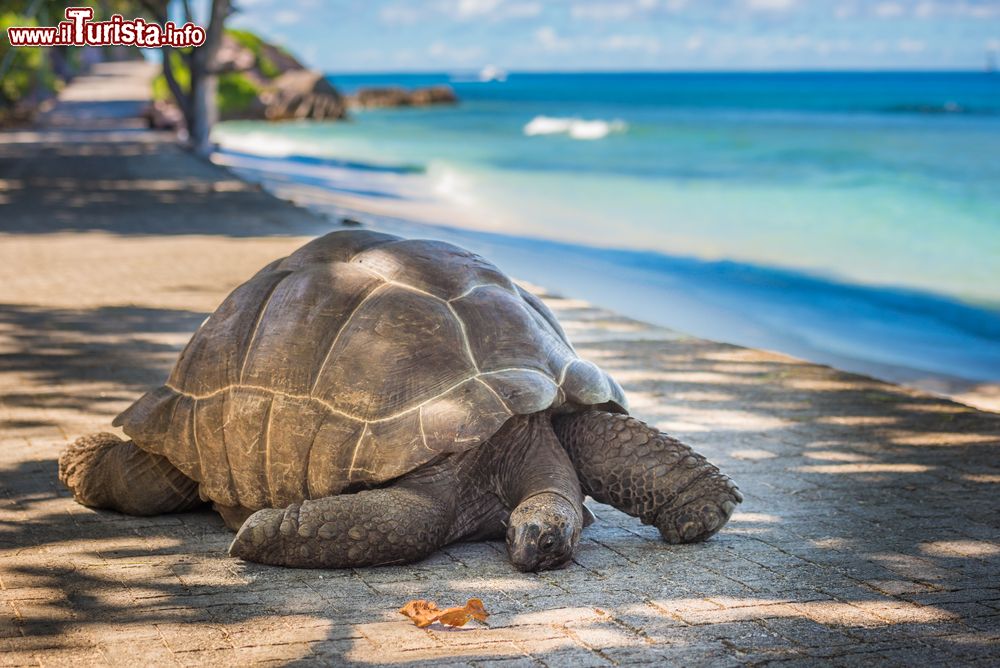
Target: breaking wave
{"type": "Point", "coordinates": [577, 128]}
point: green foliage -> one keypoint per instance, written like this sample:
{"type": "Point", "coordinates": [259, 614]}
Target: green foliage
{"type": "Point", "coordinates": [246, 39]}
{"type": "Point", "coordinates": [235, 92]}
{"type": "Point", "coordinates": [255, 45]}
{"type": "Point", "coordinates": [181, 72]}
{"type": "Point", "coordinates": [30, 71]}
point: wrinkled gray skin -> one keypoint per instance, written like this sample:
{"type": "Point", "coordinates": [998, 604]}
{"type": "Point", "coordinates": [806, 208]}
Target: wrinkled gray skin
{"type": "Point", "coordinates": [310, 481]}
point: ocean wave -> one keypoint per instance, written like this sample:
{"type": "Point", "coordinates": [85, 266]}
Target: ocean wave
{"type": "Point", "coordinates": [264, 145]}
{"type": "Point", "coordinates": [577, 128]}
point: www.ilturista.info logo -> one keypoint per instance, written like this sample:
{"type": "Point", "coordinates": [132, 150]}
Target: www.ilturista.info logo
{"type": "Point", "coordinates": [79, 30]}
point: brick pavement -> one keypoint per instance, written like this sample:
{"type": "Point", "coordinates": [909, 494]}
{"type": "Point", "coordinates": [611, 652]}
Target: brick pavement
{"type": "Point", "coordinates": [869, 534]}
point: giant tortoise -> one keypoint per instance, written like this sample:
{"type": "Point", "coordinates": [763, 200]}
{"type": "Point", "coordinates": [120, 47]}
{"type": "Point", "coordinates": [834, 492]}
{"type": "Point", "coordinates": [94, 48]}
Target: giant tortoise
{"type": "Point", "coordinates": [369, 399]}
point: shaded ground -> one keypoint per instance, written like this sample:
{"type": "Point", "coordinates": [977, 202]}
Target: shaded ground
{"type": "Point", "coordinates": [869, 533]}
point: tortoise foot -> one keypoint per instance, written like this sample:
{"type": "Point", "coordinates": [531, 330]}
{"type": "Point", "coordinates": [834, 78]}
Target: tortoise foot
{"type": "Point", "coordinates": [256, 540]}
{"type": "Point", "coordinates": [707, 506]}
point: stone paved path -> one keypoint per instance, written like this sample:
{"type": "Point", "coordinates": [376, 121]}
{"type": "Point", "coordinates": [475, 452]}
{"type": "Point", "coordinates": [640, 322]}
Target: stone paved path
{"type": "Point", "coordinates": [869, 534]}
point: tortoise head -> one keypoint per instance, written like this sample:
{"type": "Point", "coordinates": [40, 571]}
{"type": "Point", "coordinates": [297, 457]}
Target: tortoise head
{"type": "Point", "coordinates": [543, 532]}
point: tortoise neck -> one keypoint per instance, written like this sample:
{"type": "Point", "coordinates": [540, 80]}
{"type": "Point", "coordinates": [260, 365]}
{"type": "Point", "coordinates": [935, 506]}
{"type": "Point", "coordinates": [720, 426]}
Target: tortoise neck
{"type": "Point", "coordinates": [528, 460]}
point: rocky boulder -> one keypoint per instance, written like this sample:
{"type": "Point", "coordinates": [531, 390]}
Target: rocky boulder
{"type": "Point", "coordinates": [257, 81]}
{"type": "Point", "coordinates": [396, 96]}
{"type": "Point", "coordinates": [302, 94]}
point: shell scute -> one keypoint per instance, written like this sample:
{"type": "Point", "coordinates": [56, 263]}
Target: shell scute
{"type": "Point", "coordinates": [304, 315]}
{"type": "Point", "coordinates": [209, 438]}
{"type": "Point", "coordinates": [214, 357]}
{"type": "Point", "coordinates": [523, 391]}
{"type": "Point", "coordinates": [246, 440]}
{"type": "Point", "coordinates": [294, 425]}
{"type": "Point", "coordinates": [507, 334]}
{"type": "Point", "coordinates": [435, 267]}
{"type": "Point", "coordinates": [329, 455]}
{"type": "Point", "coordinates": [462, 418]}
{"type": "Point", "coordinates": [320, 251]}
{"type": "Point", "coordinates": [382, 364]}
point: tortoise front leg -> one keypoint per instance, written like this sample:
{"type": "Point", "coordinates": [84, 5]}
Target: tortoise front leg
{"type": "Point", "coordinates": [635, 468]}
{"type": "Point", "coordinates": [394, 525]}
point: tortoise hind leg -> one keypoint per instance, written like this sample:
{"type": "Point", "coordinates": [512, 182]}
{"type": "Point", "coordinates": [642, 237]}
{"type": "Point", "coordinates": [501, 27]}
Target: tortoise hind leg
{"type": "Point", "coordinates": [104, 471]}
{"type": "Point", "coordinates": [640, 471]}
{"type": "Point", "coordinates": [393, 525]}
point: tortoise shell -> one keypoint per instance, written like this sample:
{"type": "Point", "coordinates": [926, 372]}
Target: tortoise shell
{"type": "Point", "coordinates": [353, 361]}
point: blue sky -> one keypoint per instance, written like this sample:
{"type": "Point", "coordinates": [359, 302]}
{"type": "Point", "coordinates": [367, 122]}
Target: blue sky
{"type": "Point", "coordinates": [436, 35]}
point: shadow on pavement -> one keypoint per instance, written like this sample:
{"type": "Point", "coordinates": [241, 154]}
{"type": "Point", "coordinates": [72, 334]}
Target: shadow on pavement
{"type": "Point", "coordinates": [870, 525]}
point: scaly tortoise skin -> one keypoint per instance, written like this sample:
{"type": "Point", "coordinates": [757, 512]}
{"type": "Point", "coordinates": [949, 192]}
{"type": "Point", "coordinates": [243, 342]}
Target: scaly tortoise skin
{"type": "Point", "coordinates": [369, 399]}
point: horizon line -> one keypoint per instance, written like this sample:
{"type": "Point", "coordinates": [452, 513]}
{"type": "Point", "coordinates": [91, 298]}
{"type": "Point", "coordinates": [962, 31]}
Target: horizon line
{"type": "Point", "coordinates": [846, 70]}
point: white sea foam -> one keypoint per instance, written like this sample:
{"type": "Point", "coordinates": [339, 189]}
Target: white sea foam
{"type": "Point", "coordinates": [450, 184]}
{"type": "Point", "coordinates": [264, 144]}
{"type": "Point", "coordinates": [577, 128]}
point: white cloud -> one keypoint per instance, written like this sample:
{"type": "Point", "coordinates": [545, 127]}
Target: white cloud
{"type": "Point", "coordinates": [771, 5]}
{"type": "Point", "coordinates": [924, 9]}
{"type": "Point", "coordinates": [496, 9]}
{"type": "Point", "coordinates": [694, 43]}
{"type": "Point", "coordinates": [888, 10]}
{"type": "Point", "coordinates": [620, 10]}
{"type": "Point", "coordinates": [287, 17]}
{"type": "Point", "coordinates": [466, 8]}
{"type": "Point", "coordinates": [547, 38]}
{"type": "Point", "coordinates": [522, 10]}
{"type": "Point", "coordinates": [603, 11]}
{"type": "Point", "coordinates": [550, 40]}
{"type": "Point", "coordinates": [845, 10]}
{"type": "Point", "coordinates": [401, 14]}
{"type": "Point", "coordinates": [462, 10]}
{"type": "Point", "coordinates": [972, 10]}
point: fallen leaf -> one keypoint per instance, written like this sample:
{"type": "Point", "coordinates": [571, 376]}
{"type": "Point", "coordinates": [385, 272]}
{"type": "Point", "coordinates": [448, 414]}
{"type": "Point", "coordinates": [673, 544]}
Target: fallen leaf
{"type": "Point", "coordinates": [476, 609]}
{"type": "Point", "coordinates": [424, 613]}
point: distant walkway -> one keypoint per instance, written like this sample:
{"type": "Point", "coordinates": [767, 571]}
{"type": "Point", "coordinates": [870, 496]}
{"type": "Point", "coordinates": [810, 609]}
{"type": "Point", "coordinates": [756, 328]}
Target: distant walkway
{"type": "Point", "coordinates": [870, 534]}
{"type": "Point", "coordinates": [92, 165]}
{"type": "Point", "coordinates": [110, 96]}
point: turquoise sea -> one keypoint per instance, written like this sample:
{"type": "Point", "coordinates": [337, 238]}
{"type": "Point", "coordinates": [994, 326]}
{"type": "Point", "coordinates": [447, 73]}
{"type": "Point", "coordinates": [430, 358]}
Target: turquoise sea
{"type": "Point", "coordinates": [850, 218]}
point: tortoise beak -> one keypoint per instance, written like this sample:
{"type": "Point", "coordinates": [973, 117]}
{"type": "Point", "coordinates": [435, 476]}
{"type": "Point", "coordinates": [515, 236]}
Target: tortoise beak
{"type": "Point", "coordinates": [522, 547]}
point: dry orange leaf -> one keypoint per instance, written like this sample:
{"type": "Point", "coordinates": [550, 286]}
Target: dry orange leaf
{"type": "Point", "coordinates": [424, 613]}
